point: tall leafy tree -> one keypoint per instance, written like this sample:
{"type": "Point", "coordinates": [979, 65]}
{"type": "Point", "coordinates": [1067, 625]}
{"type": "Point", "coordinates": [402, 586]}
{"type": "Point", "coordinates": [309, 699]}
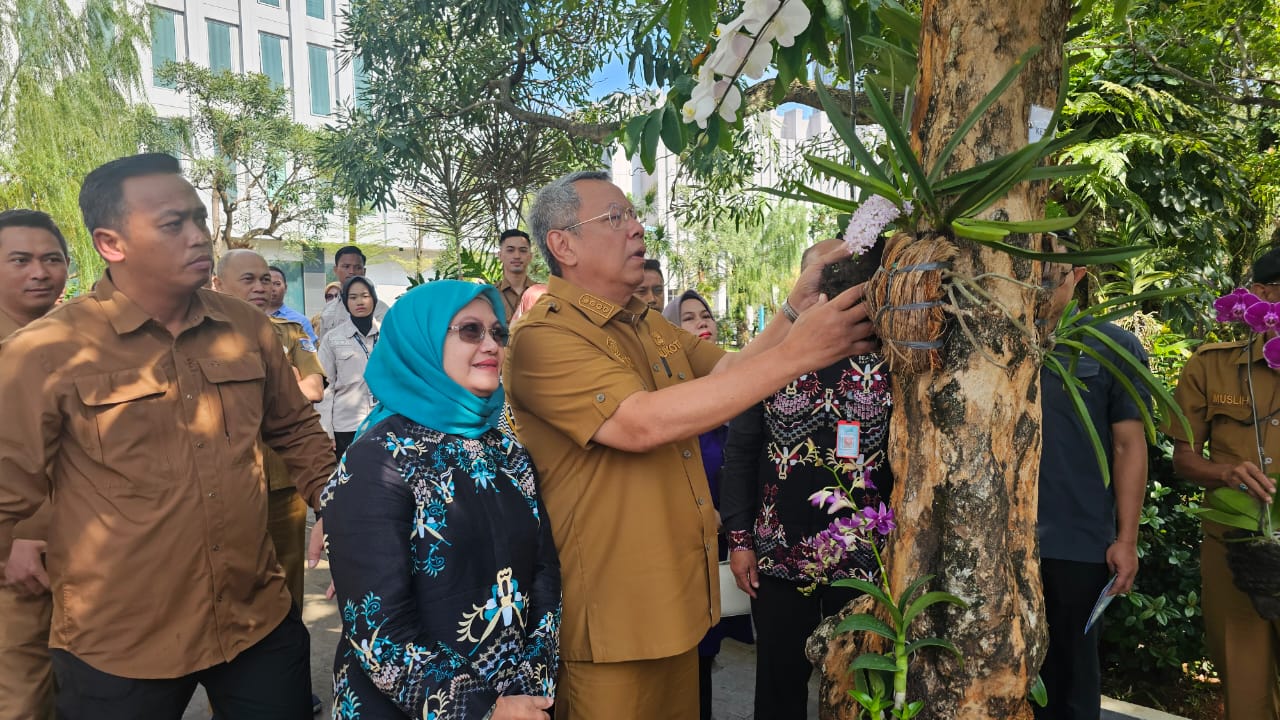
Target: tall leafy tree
{"type": "Point", "coordinates": [244, 146]}
{"type": "Point", "coordinates": [66, 79]}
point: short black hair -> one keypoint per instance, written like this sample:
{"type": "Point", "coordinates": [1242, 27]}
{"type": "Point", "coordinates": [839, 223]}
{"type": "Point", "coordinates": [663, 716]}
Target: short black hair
{"type": "Point", "coordinates": [1266, 269]}
{"type": "Point", "coordinates": [102, 194]}
{"type": "Point", "coordinates": [513, 232]}
{"type": "Point", "coordinates": [654, 265]}
{"type": "Point", "coordinates": [348, 250]}
{"type": "Point", "coordinates": [276, 269]}
{"type": "Point", "coordinates": [22, 217]}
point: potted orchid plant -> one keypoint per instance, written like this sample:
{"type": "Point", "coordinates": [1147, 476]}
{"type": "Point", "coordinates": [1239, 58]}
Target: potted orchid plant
{"type": "Point", "coordinates": [1253, 549]}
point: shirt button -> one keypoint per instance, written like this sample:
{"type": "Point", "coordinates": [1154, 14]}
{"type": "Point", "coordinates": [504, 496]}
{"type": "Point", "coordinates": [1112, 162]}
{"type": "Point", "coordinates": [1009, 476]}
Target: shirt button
{"type": "Point", "coordinates": [216, 548]}
{"type": "Point", "coordinates": [600, 397]}
{"type": "Point", "coordinates": [1267, 461]}
{"type": "Point", "coordinates": [707, 546]}
{"type": "Point", "coordinates": [1274, 421]}
{"type": "Point", "coordinates": [702, 501]}
{"type": "Point", "coordinates": [188, 396]}
{"type": "Point", "coordinates": [218, 598]}
{"type": "Point", "coordinates": [656, 367]}
{"type": "Point", "coordinates": [213, 493]}
{"type": "Point", "coordinates": [199, 443]}
{"type": "Point", "coordinates": [680, 375]}
{"type": "Point", "coordinates": [687, 454]}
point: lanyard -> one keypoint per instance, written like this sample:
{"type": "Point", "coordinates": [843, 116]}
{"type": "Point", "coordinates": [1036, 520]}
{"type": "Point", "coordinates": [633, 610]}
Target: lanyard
{"type": "Point", "coordinates": [363, 347]}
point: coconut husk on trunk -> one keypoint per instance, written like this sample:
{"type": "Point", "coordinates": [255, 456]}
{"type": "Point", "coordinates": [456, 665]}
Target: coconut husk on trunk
{"type": "Point", "coordinates": [905, 301]}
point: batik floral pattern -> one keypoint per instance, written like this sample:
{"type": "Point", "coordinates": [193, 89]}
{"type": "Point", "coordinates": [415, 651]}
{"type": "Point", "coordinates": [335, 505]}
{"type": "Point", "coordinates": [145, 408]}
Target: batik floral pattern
{"type": "Point", "coordinates": [461, 603]}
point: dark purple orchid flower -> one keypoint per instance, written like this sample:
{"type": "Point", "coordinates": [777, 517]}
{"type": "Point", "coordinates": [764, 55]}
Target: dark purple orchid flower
{"type": "Point", "coordinates": [1262, 317]}
{"type": "Point", "coordinates": [879, 519]}
{"type": "Point", "coordinates": [1232, 306]}
{"type": "Point", "coordinates": [1271, 352]}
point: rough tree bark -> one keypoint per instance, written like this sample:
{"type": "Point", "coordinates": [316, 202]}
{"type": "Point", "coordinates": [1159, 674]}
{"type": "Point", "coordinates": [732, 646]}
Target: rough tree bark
{"type": "Point", "coordinates": [965, 439]}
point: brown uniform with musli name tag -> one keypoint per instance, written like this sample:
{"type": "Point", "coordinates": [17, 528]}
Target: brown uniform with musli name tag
{"type": "Point", "coordinates": [1214, 394]}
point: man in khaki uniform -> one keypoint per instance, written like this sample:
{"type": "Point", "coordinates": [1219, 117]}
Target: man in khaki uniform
{"type": "Point", "coordinates": [33, 274]}
{"type": "Point", "coordinates": [513, 254]}
{"type": "Point", "coordinates": [138, 408]}
{"type": "Point", "coordinates": [1217, 392]}
{"type": "Point", "coordinates": [245, 274]}
{"type": "Point", "coordinates": [610, 399]}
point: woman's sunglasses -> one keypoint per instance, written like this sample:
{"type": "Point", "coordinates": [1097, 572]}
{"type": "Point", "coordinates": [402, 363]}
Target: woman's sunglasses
{"type": "Point", "coordinates": [474, 332]}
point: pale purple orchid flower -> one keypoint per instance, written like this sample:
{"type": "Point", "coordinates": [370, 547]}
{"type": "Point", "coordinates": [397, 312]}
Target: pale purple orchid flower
{"type": "Point", "coordinates": [879, 519]}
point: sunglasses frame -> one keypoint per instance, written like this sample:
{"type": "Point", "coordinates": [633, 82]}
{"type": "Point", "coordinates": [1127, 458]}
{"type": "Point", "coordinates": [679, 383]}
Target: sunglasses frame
{"type": "Point", "coordinates": [501, 335]}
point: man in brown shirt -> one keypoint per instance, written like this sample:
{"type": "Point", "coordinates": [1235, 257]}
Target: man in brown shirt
{"type": "Point", "coordinates": [1217, 392]}
{"type": "Point", "coordinates": [33, 274]}
{"type": "Point", "coordinates": [610, 399]}
{"type": "Point", "coordinates": [513, 254]}
{"type": "Point", "coordinates": [146, 399]}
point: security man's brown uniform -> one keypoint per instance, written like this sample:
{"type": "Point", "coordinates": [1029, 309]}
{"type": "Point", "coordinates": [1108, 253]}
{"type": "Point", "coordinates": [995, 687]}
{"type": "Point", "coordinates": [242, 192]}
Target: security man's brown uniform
{"type": "Point", "coordinates": [636, 532]}
{"type": "Point", "coordinates": [1214, 393]}
{"type": "Point", "coordinates": [286, 511]}
{"type": "Point", "coordinates": [26, 677]}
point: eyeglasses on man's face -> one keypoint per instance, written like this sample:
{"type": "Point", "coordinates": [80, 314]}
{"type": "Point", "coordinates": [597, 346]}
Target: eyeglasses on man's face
{"type": "Point", "coordinates": [617, 216]}
{"type": "Point", "coordinates": [473, 333]}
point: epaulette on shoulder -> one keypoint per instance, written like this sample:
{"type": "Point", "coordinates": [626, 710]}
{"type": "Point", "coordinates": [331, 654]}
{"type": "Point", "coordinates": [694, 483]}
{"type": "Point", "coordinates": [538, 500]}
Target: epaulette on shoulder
{"type": "Point", "coordinates": [284, 321]}
{"type": "Point", "coordinates": [1211, 347]}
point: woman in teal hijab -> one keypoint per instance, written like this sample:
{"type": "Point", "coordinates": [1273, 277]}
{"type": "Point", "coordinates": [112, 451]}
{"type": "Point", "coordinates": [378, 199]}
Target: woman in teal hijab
{"type": "Point", "coordinates": [441, 553]}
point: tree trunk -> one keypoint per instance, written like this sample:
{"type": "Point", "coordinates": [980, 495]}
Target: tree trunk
{"type": "Point", "coordinates": [965, 440]}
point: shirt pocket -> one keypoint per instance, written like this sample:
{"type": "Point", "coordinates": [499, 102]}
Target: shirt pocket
{"type": "Point", "coordinates": [132, 422]}
{"type": "Point", "coordinates": [240, 385]}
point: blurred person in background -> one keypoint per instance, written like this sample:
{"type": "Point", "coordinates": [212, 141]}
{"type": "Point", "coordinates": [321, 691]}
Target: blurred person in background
{"type": "Point", "coordinates": [344, 353]}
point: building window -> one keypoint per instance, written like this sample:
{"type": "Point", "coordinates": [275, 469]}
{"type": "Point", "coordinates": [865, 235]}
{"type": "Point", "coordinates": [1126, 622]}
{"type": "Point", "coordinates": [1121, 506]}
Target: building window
{"type": "Point", "coordinates": [318, 58]}
{"type": "Point", "coordinates": [272, 3]}
{"type": "Point", "coordinates": [221, 53]}
{"type": "Point", "coordinates": [315, 8]}
{"type": "Point", "coordinates": [272, 57]}
{"type": "Point", "coordinates": [361, 81]}
{"type": "Point", "coordinates": [164, 42]}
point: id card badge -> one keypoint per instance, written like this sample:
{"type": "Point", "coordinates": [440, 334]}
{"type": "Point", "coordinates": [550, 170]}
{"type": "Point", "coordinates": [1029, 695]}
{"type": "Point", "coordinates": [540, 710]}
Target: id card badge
{"type": "Point", "coordinates": [848, 439]}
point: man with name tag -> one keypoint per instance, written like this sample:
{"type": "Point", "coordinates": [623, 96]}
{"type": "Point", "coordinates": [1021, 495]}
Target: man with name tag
{"type": "Point", "coordinates": [610, 399]}
{"type": "Point", "coordinates": [1088, 530]}
{"type": "Point", "coordinates": [1232, 401]}
{"type": "Point", "coordinates": [779, 453]}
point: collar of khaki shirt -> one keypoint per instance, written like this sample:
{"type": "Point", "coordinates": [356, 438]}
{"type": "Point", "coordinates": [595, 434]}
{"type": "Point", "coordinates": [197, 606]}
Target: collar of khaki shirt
{"type": "Point", "coordinates": [126, 316]}
{"type": "Point", "coordinates": [1251, 350]}
{"type": "Point", "coordinates": [595, 308]}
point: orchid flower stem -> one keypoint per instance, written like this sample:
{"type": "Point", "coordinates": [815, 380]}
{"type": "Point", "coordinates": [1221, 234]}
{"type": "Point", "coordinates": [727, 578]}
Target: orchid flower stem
{"type": "Point", "coordinates": [899, 642]}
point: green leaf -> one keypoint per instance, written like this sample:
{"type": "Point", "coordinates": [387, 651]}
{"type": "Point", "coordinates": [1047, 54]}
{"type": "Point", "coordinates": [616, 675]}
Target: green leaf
{"type": "Point", "coordinates": [1097, 256]}
{"type": "Point", "coordinates": [1148, 423]}
{"type": "Point", "coordinates": [926, 600]}
{"type": "Point", "coordinates": [672, 132]}
{"type": "Point", "coordinates": [649, 141]}
{"type": "Point", "coordinates": [915, 645]}
{"type": "Point", "coordinates": [675, 20]}
{"type": "Point", "coordinates": [1228, 519]}
{"type": "Point", "coordinates": [910, 592]}
{"type": "Point", "coordinates": [632, 133]}
{"type": "Point", "coordinates": [862, 622]}
{"type": "Point", "coordinates": [873, 661]}
{"type": "Point", "coordinates": [701, 15]}
{"type": "Point", "coordinates": [978, 111]}
{"type": "Point", "coordinates": [1077, 402]}
{"type": "Point", "coordinates": [1162, 395]}
{"type": "Point", "coordinates": [844, 128]}
{"type": "Point", "coordinates": [902, 21]}
{"type": "Point", "coordinates": [848, 174]}
{"type": "Point", "coordinates": [901, 145]}
{"type": "Point", "coordinates": [1044, 225]}
{"type": "Point", "coordinates": [874, 591]}
{"type": "Point", "coordinates": [1039, 693]}
{"type": "Point", "coordinates": [962, 180]}
{"type": "Point", "coordinates": [1229, 499]}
